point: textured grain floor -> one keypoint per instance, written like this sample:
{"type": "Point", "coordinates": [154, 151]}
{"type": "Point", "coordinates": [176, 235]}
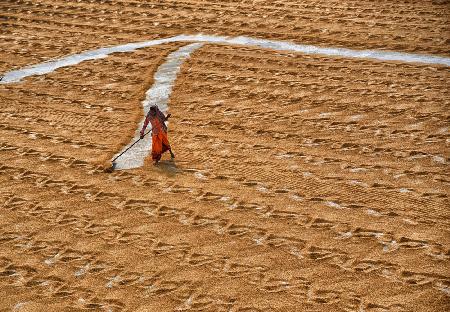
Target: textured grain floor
{"type": "Point", "coordinates": [301, 183]}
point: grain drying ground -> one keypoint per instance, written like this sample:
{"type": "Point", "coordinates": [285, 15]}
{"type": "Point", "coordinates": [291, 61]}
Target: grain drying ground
{"type": "Point", "coordinates": [301, 183]}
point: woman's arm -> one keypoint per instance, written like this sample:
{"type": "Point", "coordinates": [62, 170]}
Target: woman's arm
{"type": "Point", "coordinates": [147, 120]}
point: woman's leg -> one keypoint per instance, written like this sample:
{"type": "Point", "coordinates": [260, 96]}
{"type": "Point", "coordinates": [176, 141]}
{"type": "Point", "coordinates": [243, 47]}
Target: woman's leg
{"type": "Point", "coordinates": [166, 144]}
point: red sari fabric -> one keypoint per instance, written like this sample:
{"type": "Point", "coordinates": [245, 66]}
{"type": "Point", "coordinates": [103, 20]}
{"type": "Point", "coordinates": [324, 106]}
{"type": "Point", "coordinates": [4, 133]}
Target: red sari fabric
{"type": "Point", "coordinates": [160, 144]}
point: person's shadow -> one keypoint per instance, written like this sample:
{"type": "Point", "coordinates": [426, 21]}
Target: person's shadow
{"type": "Point", "coordinates": [168, 167]}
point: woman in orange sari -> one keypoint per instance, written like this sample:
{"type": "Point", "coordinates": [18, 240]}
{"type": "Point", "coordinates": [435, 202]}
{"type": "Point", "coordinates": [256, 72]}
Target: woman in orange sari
{"type": "Point", "coordinates": [160, 142]}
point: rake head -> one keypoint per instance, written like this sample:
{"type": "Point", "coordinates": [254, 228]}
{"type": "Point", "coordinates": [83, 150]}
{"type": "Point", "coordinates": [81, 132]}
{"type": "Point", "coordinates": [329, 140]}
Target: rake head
{"type": "Point", "coordinates": [111, 168]}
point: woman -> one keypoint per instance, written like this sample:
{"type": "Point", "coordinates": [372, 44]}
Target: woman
{"type": "Point", "coordinates": [160, 142]}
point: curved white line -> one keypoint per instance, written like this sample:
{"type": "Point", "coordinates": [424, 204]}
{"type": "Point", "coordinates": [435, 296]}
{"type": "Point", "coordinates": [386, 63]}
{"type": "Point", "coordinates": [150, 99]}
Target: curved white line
{"type": "Point", "coordinates": [47, 67]}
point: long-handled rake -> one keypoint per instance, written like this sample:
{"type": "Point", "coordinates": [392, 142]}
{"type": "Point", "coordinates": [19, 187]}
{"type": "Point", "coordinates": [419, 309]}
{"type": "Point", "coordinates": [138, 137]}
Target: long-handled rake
{"type": "Point", "coordinates": [113, 165]}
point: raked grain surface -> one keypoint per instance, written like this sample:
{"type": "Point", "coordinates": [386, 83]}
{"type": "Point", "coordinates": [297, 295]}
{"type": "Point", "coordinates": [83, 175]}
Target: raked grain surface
{"type": "Point", "coordinates": [300, 183]}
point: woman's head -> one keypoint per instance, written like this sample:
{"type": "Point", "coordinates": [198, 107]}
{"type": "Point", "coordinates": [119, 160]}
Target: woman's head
{"type": "Point", "coordinates": [152, 110]}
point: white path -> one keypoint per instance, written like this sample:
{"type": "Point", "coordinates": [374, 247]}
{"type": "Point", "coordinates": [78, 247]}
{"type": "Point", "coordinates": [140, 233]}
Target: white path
{"type": "Point", "coordinates": [47, 67]}
{"type": "Point", "coordinates": [166, 74]}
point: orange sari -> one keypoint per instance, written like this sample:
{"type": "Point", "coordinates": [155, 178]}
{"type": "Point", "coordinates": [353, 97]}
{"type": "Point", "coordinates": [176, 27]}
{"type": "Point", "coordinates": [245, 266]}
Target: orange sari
{"type": "Point", "coordinates": [160, 144]}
